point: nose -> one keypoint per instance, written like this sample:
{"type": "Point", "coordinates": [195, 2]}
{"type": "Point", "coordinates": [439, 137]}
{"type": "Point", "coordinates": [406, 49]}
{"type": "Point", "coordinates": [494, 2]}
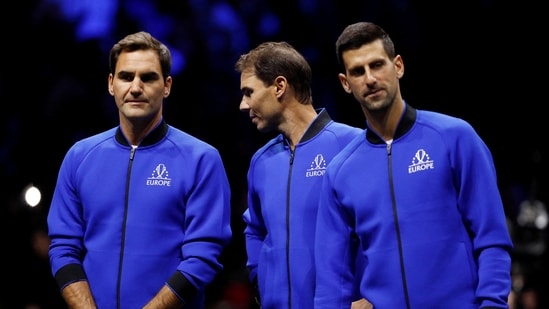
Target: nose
{"type": "Point", "coordinates": [369, 76]}
{"type": "Point", "coordinates": [136, 86]}
{"type": "Point", "coordinates": [243, 105]}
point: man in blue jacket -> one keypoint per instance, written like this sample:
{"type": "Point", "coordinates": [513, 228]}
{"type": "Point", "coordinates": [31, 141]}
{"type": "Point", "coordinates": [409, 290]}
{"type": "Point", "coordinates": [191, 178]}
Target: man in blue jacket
{"type": "Point", "coordinates": [141, 212]}
{"type": "Point", "coordinates": [420, 191]}
{"type": "Point", "coordinates": [285, 174]}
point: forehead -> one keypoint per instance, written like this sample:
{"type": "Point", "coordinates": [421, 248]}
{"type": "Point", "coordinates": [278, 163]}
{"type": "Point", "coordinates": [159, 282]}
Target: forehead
{"type": "Point", "coordinates": [248, 79]}
{"type": "Point", "coordinates": [364, 54]}
{"type": "Point", "coordinates": [138, 60]}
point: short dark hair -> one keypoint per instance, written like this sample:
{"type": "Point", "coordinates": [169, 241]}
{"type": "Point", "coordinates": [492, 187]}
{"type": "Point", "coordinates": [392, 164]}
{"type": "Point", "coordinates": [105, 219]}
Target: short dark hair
{"type": "Point", "coordinates": [142, 41]}
{"type": "Point", "coordinates": [271, 59]}
{"type": "Point", "coordinates": [360, 33]}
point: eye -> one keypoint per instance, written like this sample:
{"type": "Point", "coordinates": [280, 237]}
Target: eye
{"type": "Point", "coordinates": [125, 76]}
{"type": "Point", "coordinates": [357, 71]}
{"type": "Point", "coordinates": [247, 92]}
{"type": "Point", "coordinates": [377, 64]}
{"type": "Point", "coordinates": [150, 77]}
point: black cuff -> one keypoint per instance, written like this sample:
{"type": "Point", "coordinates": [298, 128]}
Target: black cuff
{"type": "Point", "coordinates": [182, 287]}
{"type": "Point", "coordinates": [68, 274]}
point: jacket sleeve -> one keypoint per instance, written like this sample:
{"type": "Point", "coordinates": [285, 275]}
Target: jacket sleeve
{"type": "Point", "coordinates": [66, 226]}
{"type": "Point", "coordinates": [208, 229]}
{"type": "Point", "coordinates": [254, 231]}
{"type": "Point", "coordinates": [334, 267]}
{"type": "Point", "coordinates": [483, 213]}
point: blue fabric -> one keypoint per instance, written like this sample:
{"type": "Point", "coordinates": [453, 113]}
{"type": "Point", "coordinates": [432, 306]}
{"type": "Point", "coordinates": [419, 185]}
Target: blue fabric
{"type": "Point", "coordinates": [430, 197]}
{"type": "Point", "coordinates": [283, 194]}
{"type": "Point", "coordinates": [132, 219]}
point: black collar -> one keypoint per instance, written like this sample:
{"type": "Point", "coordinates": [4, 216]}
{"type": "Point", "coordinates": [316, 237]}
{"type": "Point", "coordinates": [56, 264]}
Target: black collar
{"type": "Point", "coordinates": [153, 137]}
{"type": "Point", "coordinates": [406, 122]}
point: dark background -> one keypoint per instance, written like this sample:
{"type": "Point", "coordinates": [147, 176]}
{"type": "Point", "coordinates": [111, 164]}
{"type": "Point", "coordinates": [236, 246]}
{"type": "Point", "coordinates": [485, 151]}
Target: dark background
{"type": "Point", "coordinates": [483, 61]}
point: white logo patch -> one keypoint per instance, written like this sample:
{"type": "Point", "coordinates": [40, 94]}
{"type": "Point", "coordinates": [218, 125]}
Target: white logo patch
{"type": "Point", "coordinates": [317, 167]}
{"type": "Point", "coordinates": [421, 162]}
{"type": "Point", "coordinates": [159, 177]}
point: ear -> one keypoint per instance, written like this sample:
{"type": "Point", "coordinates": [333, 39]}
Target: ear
{"type": "Point", "coordinates": [280, 83]}
{"type": "Point", "coordinates": [167, 86]}
{"type": "Point", "coordinates": [344, 83]}
{"type": "Point", "coordinates": [399, 66]}
{"type": "Point", "coordinates": [109, 84]}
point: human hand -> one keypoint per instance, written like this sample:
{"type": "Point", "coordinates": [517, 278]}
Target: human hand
{"type": "Point", "coordinates": [362, 304]}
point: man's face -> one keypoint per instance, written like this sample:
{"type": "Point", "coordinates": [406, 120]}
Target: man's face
{"type": "Point", "coordinates": [138, 86]}
{"type": "Point", "coordinates": [260, 102]}
{"type": "Point", "coordinates": [371, 76]}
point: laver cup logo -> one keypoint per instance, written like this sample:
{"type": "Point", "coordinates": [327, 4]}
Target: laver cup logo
{"type": "Point", "coordinates": [317, 167]}
{"type": "Point", "coordinates": [159, 177]}
{"type": "Point", "coordinates": [421, 162]}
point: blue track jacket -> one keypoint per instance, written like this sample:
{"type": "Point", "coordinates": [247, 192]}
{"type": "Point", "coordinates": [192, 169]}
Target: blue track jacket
{"type": "Point", "coordinates": [429, 216]}
{"type": "Point", "coordinates": [129, 220]}
{"type": "Point", "coordinates": [283, 192]}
